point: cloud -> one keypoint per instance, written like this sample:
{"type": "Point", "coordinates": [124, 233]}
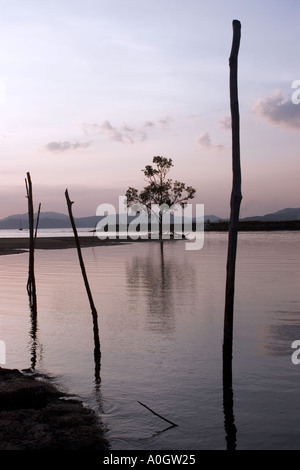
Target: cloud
{"type": "Point", "coordinates": [225, 122]}
{"type": "Point", "coordinates": [126, 134]}
{"type": "Point", "coordinates": [112, 132]}
{"type": "Point", "coordinates": [278, 111]}
{"type": "Point", "coordinates": [205, 141]}
{"type": "Point", "coordinates": [149, 124]}
{"type": "Point", "coordinates": [165, 122]}
{"type": "Point", "coordinates": [63, 146]}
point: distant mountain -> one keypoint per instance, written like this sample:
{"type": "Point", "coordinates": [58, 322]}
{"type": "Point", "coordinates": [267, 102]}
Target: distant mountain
{"type": "Point", "coordinates": [58, 220]}
{"type": "Point", "coordinates": [281, 215]}
{"type": "Point", "coordinates": [47, 220]}
{"type": "Point", "coordinates": [54, 220]}
{"type": "Point", "coordinates": [211, 218]}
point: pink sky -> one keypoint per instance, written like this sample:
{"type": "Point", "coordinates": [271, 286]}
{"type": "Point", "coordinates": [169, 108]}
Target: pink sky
{"type": "Point", "coordinates": [91, 91]}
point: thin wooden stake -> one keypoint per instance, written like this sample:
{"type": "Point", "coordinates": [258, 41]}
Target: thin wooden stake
{"type": "Point", "coordinates": [165, 419]}
{"type": "Point", "coordinates": [88, 290]}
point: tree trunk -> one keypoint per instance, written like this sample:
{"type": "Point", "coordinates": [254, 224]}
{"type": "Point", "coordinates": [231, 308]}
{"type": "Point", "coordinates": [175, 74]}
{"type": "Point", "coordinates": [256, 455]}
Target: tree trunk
{"type": "Point", "coordinates": [160, 222]}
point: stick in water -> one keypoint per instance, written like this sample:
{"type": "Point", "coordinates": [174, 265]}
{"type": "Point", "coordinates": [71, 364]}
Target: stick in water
{"type": "Point", "coordinates": [93, 308]}
{"type": "Point", "coordinates": [165, 419]}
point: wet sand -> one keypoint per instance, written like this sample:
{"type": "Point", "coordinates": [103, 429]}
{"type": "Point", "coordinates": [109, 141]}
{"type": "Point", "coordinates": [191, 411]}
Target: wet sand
{"type": "Point", "coordinates": [10, 246]}
{"type": "Point", "coordinates": [35, 415]}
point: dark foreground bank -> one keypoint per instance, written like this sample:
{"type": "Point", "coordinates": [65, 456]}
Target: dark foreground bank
{"type": "Point", "coordinates": [35, 415]}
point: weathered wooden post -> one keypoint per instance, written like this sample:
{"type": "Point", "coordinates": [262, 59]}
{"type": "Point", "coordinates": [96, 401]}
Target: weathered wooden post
{"type": "Point", "coordinates": [235, 201]}
{"type": "Point", "coordinates": [97, 351]}
{"type": "Point", "coordinates": [236, 195]}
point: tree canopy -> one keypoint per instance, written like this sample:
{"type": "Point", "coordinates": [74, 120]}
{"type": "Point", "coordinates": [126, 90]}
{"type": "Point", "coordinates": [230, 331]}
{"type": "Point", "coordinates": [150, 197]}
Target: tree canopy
{"type": "Point", "coordinates": [160, 191]}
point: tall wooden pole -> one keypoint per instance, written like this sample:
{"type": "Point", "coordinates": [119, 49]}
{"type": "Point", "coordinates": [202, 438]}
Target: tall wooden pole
{"type": "Point", "coordinates": [235, 201]}
{"type": "Point", "coordinates": [236, 195]}
{"type": "Point", "coordinates": [88, 290]}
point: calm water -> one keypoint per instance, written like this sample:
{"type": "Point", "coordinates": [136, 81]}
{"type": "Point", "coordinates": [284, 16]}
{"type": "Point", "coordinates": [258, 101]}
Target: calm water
{"type": "Point", "coordinates": [160, 313]}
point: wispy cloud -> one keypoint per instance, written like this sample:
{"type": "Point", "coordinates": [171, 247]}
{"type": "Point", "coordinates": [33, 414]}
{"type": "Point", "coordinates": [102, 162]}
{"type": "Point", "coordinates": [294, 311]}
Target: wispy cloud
{"type": "Point", "coordinates": [278, 110]}
{"type": "Point", "coordinates": [66, 145]}
{"type": "Point", "coordinates": [165, 122]}
{"type": "Point", "coordinates": [205, 141]}
{"type": "Point", "coordinates": [225, 122]}
{"type": "Point", "coordinates": [126, 133]}
{"type": "Point", "coordinates": [149, 124]}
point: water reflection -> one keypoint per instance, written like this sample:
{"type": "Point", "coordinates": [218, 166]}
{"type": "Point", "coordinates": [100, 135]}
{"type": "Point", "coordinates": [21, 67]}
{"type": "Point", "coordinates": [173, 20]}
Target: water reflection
{"type": "Point", "coordinates": [33, 337]}
{"type": "Point", "coordinates": [279, 336]}
{"type": "Point", "coordinates": [160, 278]}
{"type": "Point", "coordinates": [33, 325]}
{"type": "Point", "coordinates": [229, 419]}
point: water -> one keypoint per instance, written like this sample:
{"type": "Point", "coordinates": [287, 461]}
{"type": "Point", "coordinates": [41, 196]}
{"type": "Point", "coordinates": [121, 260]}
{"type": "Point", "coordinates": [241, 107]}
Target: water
{"type": "Point", "coordinates": [46, 232]}
{"type": "Point", "coordinates": [160, 313]}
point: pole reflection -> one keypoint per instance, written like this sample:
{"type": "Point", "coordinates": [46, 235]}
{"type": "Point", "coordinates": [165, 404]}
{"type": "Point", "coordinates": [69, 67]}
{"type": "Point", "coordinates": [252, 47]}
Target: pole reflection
{"type": "Point", "coordinates": [228, 402]}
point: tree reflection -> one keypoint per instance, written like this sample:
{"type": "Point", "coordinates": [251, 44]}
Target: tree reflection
{"type": "Point", "coordinates": [33, 334]}
{"type": "Point", "coordinates": [161, 277]}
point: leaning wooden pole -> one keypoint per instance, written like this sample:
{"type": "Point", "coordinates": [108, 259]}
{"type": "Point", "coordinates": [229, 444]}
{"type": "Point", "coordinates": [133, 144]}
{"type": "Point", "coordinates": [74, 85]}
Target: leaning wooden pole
{"type": "Point", "coordinates": [97, 351]}
{"type": "Point", "coordinates": [236, 196]}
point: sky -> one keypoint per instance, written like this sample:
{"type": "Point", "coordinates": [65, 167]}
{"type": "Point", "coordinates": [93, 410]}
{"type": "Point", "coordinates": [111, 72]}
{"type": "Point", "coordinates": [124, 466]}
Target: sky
{"type": "Point", "coordinates": [91, 91]}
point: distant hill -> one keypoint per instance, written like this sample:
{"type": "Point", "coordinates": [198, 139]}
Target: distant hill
{"type": "Point", "coordinates": [211, 218]}
{"type": "Point", "coordinates": [52, 220]}
{"type": "Point", "coordinates": [279, 216]}
{"type": "Point", "coordinates": [58, 220]}
{"type": "Point", "coordinates": [47, 220]}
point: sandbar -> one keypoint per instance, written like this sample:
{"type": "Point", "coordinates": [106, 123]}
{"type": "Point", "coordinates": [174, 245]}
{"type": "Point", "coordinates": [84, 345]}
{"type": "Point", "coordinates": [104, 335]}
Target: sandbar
{"type": "Point", "coordinates": [9, 246]}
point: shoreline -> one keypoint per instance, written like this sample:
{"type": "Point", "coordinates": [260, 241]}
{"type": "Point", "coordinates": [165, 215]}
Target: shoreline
{"type": "Point", "coordinates": [36, 415]}
{"type": "Point", "coordinates": [10, 246]}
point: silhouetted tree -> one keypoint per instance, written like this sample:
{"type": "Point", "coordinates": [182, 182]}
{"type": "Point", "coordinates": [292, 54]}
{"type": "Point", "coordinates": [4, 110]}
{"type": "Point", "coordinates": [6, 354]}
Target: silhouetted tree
{"type": "Point", "coordinates": [161, 191]}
